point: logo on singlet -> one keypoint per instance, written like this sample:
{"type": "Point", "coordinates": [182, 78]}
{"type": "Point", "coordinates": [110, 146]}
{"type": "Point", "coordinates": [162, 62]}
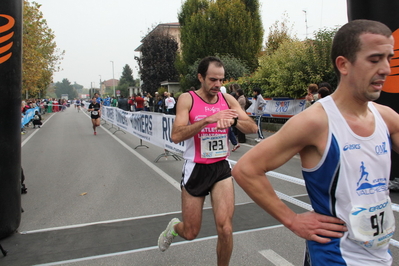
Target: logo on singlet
{"type": "Point", "coordinates": [381, 149]}
{"type": "Point", "coordinates": [212, 109]}
{"type": "Point", "coordinates": [366, 185]}
{"type": "Point", "coordinates": [351, 147]}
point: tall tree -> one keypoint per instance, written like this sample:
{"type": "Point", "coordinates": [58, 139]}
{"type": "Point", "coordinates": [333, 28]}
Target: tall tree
{"type": "Point", "coordinates": [156, 64]}
{"type": "Point", "coordinates": [65, 87]}
{"type": "Point", "coordinates": [126, 80]}
{"type": "Point", "coordinates": [221, 27]}
{"type": "Point", "coordinates": [40, 57]}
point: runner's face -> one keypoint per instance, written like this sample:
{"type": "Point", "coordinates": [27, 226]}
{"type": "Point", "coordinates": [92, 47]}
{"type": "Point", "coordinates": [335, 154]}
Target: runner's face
{"type": "Point", "coordinates": [213, 80]}
{"type": "Point", "coordinates": [368, 73]}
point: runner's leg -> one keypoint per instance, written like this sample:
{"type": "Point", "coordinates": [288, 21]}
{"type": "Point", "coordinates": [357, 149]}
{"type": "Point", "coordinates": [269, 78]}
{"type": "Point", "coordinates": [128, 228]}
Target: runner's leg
{"type": "Point", "coordinates": [192, 216]}
{"type": "Point", "coordinates": [222, 198]}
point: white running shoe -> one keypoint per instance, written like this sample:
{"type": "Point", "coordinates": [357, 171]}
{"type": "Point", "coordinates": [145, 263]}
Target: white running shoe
{"type": "Point", "coordinates": [235, 147]}
{"type": "Point", "coordinates": [166, 237]}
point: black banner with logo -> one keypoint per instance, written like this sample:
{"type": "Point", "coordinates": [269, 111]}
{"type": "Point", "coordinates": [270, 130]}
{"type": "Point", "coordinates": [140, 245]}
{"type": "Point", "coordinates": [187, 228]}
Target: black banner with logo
{"type": "Point", "coordinates": [385, 11]}
{"type": "Point", "coordinates": [10, 116]}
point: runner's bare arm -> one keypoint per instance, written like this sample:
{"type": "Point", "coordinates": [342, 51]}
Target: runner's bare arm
{"type": "Point", "coordinates": [298, 134]}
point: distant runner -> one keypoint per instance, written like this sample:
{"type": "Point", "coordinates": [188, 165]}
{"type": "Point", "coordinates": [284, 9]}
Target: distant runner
{"type": "Point", "coordinates": [95, 113]}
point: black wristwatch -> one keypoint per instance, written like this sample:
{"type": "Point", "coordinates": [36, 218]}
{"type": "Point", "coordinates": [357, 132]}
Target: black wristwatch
{"type": "Point", "coordinates": [235, 121]}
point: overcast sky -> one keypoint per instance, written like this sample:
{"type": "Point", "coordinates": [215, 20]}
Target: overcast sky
{"type": "Point", "coordinates": [95, 32]}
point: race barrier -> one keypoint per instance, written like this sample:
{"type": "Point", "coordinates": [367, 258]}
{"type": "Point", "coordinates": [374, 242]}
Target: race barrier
{"type": "Point", "coordinates": [152, 127]}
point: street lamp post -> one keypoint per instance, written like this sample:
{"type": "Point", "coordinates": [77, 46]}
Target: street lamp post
{"type": "Point", "coordinates": [113, 78]}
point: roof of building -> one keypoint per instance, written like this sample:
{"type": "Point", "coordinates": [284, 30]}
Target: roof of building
{"type": "Point", "coordinates": [156, 29]}
{"type": "Point", "coordinates": [110, 82]}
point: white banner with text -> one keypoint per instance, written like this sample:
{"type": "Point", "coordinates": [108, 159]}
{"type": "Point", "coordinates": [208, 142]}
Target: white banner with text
{"type": "Point", "coordinates": [155, 128]}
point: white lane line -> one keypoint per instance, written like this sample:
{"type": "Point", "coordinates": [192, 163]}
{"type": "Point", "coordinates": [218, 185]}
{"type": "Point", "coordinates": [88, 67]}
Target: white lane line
{"type": "Point", "coordinates": [275, 258]}
{"type": "Point", "coordinates": [34, 132]}
{"type": "Point", "coordinates": [102, 256]}
{"type": "Point", "coordinates": [94, 223]}
{"type": "Point", "coordinates": [110, 221]}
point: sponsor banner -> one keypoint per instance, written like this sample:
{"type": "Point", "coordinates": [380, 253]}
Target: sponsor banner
{"type": "Point", "coordinates": [155, 128]}
{"type": "Point", "coordinates": [279, 107]}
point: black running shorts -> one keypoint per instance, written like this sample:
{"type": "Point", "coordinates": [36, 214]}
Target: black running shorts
{"type": "Point", "coordinates": [198, 179]}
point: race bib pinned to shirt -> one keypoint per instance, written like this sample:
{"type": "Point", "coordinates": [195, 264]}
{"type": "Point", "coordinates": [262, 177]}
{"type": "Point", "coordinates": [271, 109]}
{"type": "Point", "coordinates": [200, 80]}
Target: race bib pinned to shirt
{"type": "Point", "coordinates": [214, 146]}
{"type": "Point", "coordinates": [372, 226]}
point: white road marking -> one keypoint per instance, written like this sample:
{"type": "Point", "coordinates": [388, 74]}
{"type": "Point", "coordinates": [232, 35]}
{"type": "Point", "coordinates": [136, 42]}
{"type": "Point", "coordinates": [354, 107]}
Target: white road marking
{"type": "Point", "coordinates": [275, 258]}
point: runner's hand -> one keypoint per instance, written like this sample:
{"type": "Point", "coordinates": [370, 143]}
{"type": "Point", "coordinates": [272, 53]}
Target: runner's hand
{"type": "Point", "coordinates": [317, 227]}
{"type": "Point", "coordinates": [223, 118]}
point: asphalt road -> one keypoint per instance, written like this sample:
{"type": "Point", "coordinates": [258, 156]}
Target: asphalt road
{"type": "Point", "coordinates": [103, 200]}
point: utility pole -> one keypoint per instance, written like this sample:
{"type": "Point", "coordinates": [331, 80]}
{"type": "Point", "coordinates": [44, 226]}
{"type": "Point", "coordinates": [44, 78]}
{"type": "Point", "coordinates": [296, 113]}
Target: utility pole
{"type": "Point", "coordinates": [113, 78]}
{"type": "Point", "coordinates": [306, 23]}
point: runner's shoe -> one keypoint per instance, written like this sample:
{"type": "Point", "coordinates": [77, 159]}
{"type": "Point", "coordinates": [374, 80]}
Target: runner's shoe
{"type": "Point", "coordinates": [166, 237]}
{"type": "Point", "coordinates": [236, 147]}
{"type": "Point", "coordinates": [95, 133]}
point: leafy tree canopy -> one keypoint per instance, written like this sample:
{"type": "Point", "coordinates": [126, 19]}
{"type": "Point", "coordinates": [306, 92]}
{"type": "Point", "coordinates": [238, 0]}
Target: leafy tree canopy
{"type": "Point", "coordinates": [40, 54]}
{"type": "Point", "coordinates": [65, 87]}
{"type": "Point", "coordinates": [294, 65]}
{"type": "Point", "coordinates": [156, 64]}
{"type": "Point", "coordinates": [222, 27]}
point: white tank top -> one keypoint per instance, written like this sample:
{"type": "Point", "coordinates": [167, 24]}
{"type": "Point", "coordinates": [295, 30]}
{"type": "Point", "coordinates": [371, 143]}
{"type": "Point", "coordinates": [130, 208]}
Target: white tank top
{"type": "Point", "coordinates": [351, 183]}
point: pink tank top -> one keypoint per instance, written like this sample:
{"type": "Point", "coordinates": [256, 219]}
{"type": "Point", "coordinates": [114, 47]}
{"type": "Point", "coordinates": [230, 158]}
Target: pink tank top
{"type": "Point", "coordinates": [209, 145]}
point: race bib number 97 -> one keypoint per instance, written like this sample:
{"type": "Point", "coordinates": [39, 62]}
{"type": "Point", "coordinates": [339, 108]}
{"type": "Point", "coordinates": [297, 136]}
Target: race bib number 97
{"type": "Point", "coordinates": [214, 146]}
{"type": "Point", "coordinates": [372, 226]}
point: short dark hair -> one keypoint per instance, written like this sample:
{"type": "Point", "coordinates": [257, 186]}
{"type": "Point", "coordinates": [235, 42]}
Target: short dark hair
{"type": "Point", "coordinates": [327, 85]}
{"type": "Point", "coordinates": [204, 64]}
{"type": "Point", "coordinates": [240, 92]}
{"type": "Point", "coordinates": [324, 91]}
{"type": "Point", "coordinates": [346, 41]}
{"type": "Point", "coordinates": [258, 90]}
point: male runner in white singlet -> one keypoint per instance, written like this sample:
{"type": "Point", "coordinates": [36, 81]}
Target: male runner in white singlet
{"type": "Point", "coordinates": [344, 141]}
{"type": "Point", "coordinates": [203, 118]}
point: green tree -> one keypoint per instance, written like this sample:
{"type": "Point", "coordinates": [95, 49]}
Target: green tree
{"type": "Point", "coordinates": [284, 73]}
{"type": "Point", "coordinates": [318, 56]}
{"type": "Point", "coordinates": [157, 61]}
{"type": "Point", "coordinates": [126, 80]}
{"type": "Point", "coordinates": [220, 27]}
{"type": "Point", "coordinates": [40, 54]}
{"type": "Point", "coordinates": [65, 87]}
{"type": "Point", "coordinates": [278, 33]}
{"type": "Point", "coordinates": [295, 64]}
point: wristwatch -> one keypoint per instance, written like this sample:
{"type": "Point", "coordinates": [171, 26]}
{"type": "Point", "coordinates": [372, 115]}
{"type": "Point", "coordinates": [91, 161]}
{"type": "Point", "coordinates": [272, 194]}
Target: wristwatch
{"type": "Point", "coordinates": [235, 121]}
